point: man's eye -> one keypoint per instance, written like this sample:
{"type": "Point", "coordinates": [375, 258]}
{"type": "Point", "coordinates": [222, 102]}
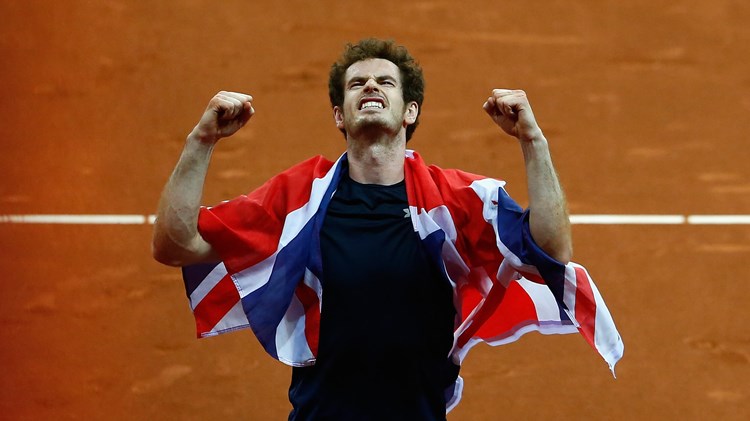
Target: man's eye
{"type": "Point", "coordinates": [388, 83]}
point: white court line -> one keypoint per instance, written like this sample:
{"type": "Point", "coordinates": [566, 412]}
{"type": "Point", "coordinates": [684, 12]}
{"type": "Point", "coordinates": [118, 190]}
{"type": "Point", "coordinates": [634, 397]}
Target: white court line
{"type": "Point", "coordinates": [574, 219]}
{"type": "Point", "coordinates": [718, 219]}
{"type": "Point", "coordinates": [74, 219]}
{"type": "Point", "coordinates": [628, 219]}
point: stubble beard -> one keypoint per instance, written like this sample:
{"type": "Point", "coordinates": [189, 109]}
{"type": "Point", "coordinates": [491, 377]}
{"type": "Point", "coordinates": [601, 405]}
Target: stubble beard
{"type": "Point", "coordinates": [374, 126]}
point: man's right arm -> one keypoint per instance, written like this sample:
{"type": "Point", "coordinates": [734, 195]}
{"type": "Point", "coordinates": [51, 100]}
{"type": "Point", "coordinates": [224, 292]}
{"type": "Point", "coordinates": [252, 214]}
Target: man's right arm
{"type": "Point", "coordinates": [176, 240]}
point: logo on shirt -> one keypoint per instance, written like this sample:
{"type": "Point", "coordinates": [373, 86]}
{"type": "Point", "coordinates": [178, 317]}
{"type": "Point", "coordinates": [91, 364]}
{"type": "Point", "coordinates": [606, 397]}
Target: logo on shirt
{"type": "Point", "coordinates": [407, 214]}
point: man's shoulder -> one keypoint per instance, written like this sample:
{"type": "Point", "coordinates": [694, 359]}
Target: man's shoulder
{"type": "Point", "coordinates": [457, 178]}
{"type": "Point", "coordinates": [455, 173]}
{"type": "Point", "coordinates": [303, 172]}
{"type": "Point", "coordinates": [453, 176]}
{"type": "Point", "coordinates": [317, 165]}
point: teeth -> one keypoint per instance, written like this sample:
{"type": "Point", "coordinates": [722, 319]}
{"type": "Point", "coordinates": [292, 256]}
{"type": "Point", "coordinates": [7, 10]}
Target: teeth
{"type": "Point", "coordinates": [371, 104]}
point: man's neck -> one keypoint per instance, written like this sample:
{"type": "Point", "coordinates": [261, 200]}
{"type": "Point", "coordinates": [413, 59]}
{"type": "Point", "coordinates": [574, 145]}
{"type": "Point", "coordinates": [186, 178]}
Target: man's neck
{"type": "Point", "coordinates": [376, 162]}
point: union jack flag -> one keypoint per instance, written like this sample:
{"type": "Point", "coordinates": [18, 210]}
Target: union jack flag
{"type": "Point", "coordinates": [270, 277]}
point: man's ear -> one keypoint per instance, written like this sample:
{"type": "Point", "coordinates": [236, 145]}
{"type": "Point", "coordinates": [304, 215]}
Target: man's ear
{"type": "Point", "coordinates": [411, 113]}
{"type": "Point", "coordinates": [338, 117]}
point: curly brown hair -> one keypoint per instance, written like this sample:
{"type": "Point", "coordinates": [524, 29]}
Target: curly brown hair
{"type": "Point", "coordinates": [412, 80]}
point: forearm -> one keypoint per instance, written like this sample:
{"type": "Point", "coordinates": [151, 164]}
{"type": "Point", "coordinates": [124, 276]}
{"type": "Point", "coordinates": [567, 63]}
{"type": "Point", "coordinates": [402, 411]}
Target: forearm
{"type": "Point", "coordinates": [176, 239]}
{"type": "Point", "coordinates": [548, 215]}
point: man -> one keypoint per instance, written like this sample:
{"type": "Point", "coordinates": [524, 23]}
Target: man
{"type": "Point", "coordinates": [417, 263]}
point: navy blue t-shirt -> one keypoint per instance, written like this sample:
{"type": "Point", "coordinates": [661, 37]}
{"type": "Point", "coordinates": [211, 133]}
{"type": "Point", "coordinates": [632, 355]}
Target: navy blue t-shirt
{"type": "Point", "coordinates": [386, 320]}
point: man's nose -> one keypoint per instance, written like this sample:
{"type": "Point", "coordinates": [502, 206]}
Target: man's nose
{"type": "Point", "coordinates": [371, 85]}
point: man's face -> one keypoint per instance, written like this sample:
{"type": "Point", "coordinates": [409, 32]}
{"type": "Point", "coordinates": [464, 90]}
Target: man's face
{"type": "Point", "coordinates": [373, 100]}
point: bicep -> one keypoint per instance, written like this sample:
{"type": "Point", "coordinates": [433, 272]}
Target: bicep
{"type": "Point", "coordinates": [167, 251]}
{"type": "Point", "coordinates": [201, 252]}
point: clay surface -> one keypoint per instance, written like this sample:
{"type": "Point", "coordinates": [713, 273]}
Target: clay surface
{"type": "Point", "coordinates": [645, 105]}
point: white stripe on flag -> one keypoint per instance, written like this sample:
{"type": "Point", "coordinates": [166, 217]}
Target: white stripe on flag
{"type": "Point", "coordinates": [297, 219]}
{"type": "Point", "coordinates": [254, 277]}
{"type": "Point", "coordinates": [291, 342]}
{"type": "Point", "coordinates": [207, 284]}
{"type": "Point", "coordinates": [234, 319]}
{"type": "Point", "coordinates": [544, 302]}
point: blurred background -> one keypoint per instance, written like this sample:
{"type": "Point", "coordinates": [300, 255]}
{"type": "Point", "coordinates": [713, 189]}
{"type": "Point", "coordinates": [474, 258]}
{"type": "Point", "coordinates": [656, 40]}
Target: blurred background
{"type": "Point", "coordinates": [645, 105]}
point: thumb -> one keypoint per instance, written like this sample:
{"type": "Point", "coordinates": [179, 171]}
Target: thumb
{"type": "Point", "coordinates": [490, 106]}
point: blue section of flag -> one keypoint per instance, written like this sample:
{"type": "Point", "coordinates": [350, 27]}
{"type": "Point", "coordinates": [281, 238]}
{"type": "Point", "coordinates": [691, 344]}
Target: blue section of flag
{"type": "Point", "coordinates": [193, 275]}
{"type": "Point", "coordinates": [433, 243]}
{"type": "Point", "coordinates": [266, 306]}
{"type": "Point", "coordinates": [315, 259]}
{"type": "Point", "coordinates": [515, 233]}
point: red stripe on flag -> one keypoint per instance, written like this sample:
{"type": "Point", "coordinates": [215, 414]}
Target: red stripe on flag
{"type": "Point", "coordinates": [504, 312]}
{"type": "Point", "coordinates": [246, 229]}
{"type": "Point", "coordinates": [533, 277]}
{"type": "Point", "coordinates": [491, 302]}
{"type": "Point", "coordinates": [215, 305]}
{"type": "Point", "coordinates": [585, 306]}
{"type": "Point", "coordinates": [311, 304]}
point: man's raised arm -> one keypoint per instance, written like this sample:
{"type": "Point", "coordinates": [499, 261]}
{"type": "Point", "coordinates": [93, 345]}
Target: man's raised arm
{"type": "Point", "coordinates": [548, 211]}
{"type": "Point", "coordinates": [176, 240]}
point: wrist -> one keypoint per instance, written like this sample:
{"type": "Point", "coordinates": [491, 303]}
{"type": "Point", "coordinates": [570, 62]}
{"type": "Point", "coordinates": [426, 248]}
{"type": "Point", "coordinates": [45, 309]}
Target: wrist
{"type": "Point", "coordinates": [534, 146]}
{"type": "Point", "coordinates": [203, 136]}
{"type": "Point", "coordinates": [195, 143]}
{"type": "Point", "coordinates": [532, 136]}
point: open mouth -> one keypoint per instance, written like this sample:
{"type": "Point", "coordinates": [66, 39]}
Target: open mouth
{"type": "Point", "coordinates": [370, 103]}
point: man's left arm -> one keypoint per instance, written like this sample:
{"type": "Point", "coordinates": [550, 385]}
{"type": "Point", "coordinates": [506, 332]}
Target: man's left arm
{"type": "Point", "coordinates": [548, 212]}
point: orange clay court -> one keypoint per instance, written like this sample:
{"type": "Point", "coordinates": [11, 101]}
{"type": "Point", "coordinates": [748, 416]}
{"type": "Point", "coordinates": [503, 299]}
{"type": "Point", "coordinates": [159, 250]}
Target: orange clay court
{"type": "Point", "coordinates": [645, 105]}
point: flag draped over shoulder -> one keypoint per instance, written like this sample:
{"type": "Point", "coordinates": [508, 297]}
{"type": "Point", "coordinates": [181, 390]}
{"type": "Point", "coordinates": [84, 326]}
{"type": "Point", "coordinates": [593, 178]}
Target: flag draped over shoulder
{"type": "Point", "coordinates": [270, 277]}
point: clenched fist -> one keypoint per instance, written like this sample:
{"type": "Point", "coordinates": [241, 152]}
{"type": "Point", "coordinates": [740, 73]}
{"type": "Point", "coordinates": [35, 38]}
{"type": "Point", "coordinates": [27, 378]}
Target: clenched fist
{"type": "Point", "coordinates": [510, 109]}
{"type": "Point", "coordinates": [226, 113]}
